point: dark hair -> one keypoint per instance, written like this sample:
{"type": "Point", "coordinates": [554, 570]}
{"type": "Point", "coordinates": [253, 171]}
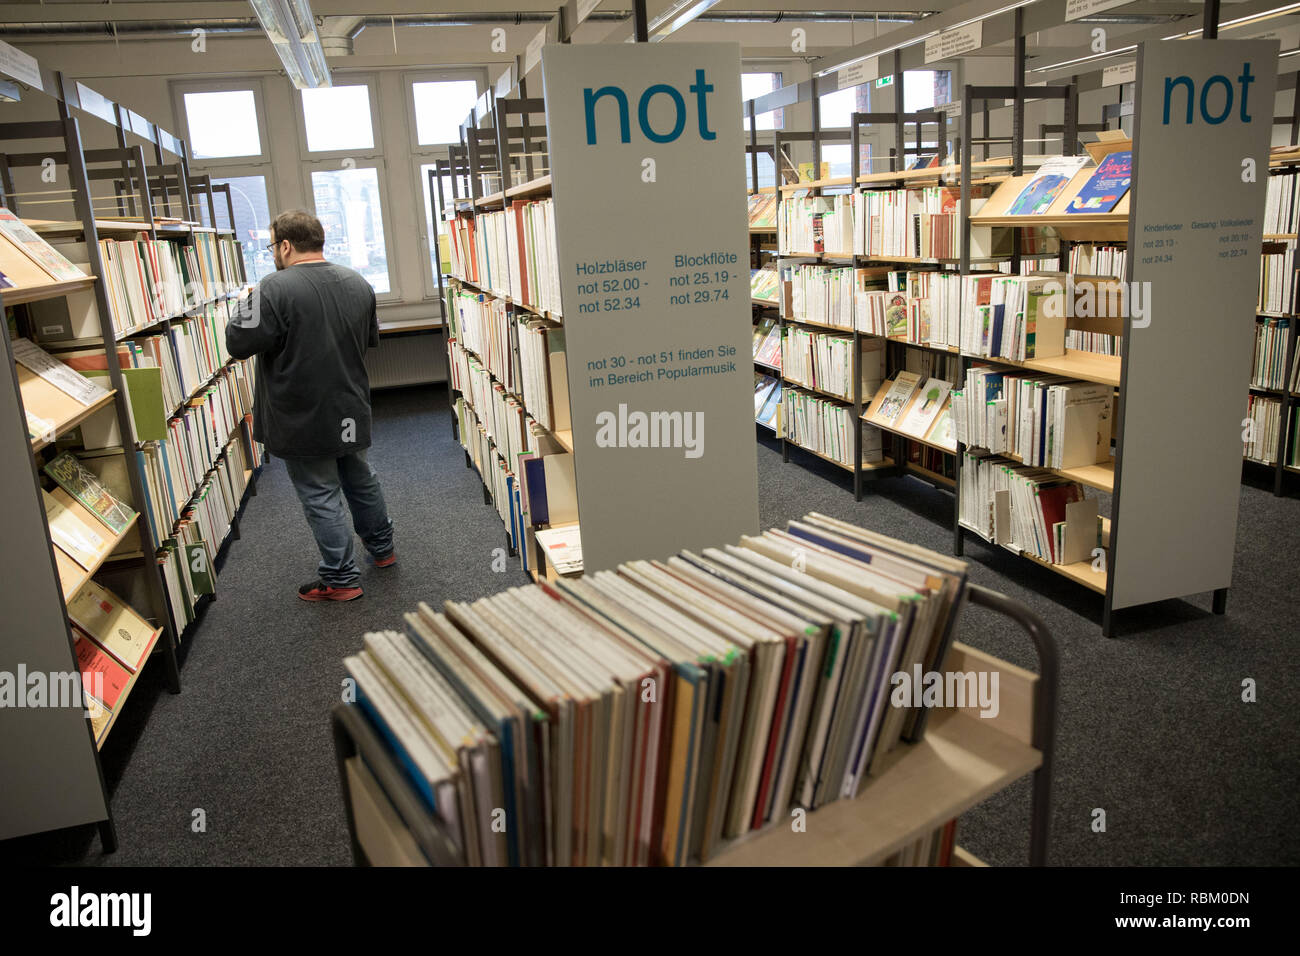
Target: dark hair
{"type": "Point", "coordinates": [302, 229]}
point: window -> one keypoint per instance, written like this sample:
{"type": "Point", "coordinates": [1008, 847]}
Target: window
{"type": "Point", "coordinates": [925, 89]}
{"type": "Point", "coordinates": [756, 84]}
{"type": "Point", "coordinates": [766, 171]}
{"type": "Point", "coordinates": [252, 222]}
{"type": "Point", "coordinates": [434, 228]}
{"type": "Point", "coordinates": [349, 207]}
{"type": "Point", "coordinates": [440, 108]}
{"type": "Point", "coordinates": [222, 124]}
{"type": "Point", "coordinates": [837, 108]}
{"type": "Point", "coordinates": [337, 118]}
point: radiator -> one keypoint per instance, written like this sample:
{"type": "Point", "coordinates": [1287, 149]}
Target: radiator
{"type": "Point", "coordinates": [410, 359]}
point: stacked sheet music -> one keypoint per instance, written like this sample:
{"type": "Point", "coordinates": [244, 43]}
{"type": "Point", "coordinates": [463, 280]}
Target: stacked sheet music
{"type": "Point", "coordinates": [648, 714]}
{"type": "Point", "coordinates": [816, 224]}
{"type": "Point", "coordinates": [1045, 420]}
{"type": "Point", "coordinates": [1028, 510]}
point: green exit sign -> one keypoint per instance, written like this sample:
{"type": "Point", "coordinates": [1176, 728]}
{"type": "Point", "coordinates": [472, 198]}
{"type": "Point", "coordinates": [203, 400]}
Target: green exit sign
{"type": "Point", "coordinates": [887, 80]}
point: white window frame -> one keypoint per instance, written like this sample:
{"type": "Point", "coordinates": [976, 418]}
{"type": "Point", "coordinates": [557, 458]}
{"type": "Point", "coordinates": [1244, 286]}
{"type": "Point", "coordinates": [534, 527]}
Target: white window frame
{"type": "Point", "coordinates": [318, 164]}
{"type": "Point", "coordinates": [178, 90]}
{"type": "Point", "coordinates": [371, 83]}
{"type": "Point", "coordinates": [272, 206]}
{"type": "Point", "coordinates": [434, 76]}
{"type": "Point", "coordinates": [427, 238]}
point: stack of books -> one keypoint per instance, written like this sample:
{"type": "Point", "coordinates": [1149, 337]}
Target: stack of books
{"type": "Point", "coordinates": [1028, 510]}
{"type": "Point", "coordinates": [1048, 421]}
{"type": "Point", "coordinates": [534, 261]}
{"type": "Point", "coordinates": [648, 714]}
{"type": "Point", "coordinates": [821, 225]}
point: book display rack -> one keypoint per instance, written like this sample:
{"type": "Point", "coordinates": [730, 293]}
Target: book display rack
{"type": "Point", "coordinates": [137, 437]}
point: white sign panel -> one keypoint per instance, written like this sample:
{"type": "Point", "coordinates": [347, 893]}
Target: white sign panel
{"type": "Point", "coordinates": [1077, 9]}
{"type": "Point", "coordinates": [650, 220]}
{"type": "Point", "coordinates": [954, 42]}
{"type": "Point", "coordinates": [534, 51]}
{"type": "Point", "coordinates": [1203, 122]}
{"type": "Point", "coordinates": [19, 65]}
{"type": "Point", "coordinates": [1119, 73]}
{"type": "Point", "coordinates": [859, 73]}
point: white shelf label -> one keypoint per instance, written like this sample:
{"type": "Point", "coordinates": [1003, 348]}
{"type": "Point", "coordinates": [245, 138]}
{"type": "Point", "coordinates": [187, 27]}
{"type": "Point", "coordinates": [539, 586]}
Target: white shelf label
{"type": "Point", "coordinates": [533, 53]}
{"type": "Point", "coordinates": [1077, 9]}
{"type": "Point", "coordinates": [20, 66]}
{"type": "Point", "coordinates": [954, 42]}
{"type": "Point", "coordinates": [1120, 73]}
{"type": "Point", "coordinates": [859, 73]}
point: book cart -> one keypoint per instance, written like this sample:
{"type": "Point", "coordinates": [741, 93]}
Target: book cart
{"type": "Point", "coordinates": [51, 755]}
{"type": "Point", "coordinates": [962, 760]}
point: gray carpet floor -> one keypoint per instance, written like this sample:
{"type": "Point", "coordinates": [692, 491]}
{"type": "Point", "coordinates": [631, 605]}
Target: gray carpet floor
{"type": "Point", "coordinates": [1152, 728]}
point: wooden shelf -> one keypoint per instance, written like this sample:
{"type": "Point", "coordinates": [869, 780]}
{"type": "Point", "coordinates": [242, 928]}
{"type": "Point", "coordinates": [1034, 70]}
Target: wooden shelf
{"type": "Point", "coordinates": [1080, 572]}
{"type": "Point", "coordinates": [73, 420]}
{"type": "Point", "coordinates": [960, 762]}
{"type": "Point", "coordinates": [762, 230]}
{"type": "Point", "coordinates": [1100, 476]}
{"type": "Point", "coordinates": [765, 303]}
{"type": "Point", "coordinates": [52, 290]}
{"type": "Point", "coordinates": [815, 255]}
{"type": "Point", "coordinates": [817, 325]}
{"type": "Point", "coordinates": [770, 368]}
{"type": "Point", "coordinates": [866, 465]}
{"type": "Point", "coordinates": [910, 437]}
{"type": "Point", "coordinates": [541, 184]}
{"type": "Point", "coordinates": [831, 183]}
{"type": "Point", "coordinates": [565, 438]}
{"type": "Point", "coordinates": [1087, 366]}
{"type": "Point", "coordinates": [813, 388]}
{"type": "Point", "coordinates": [72, 576]}
{"type": "Point", "coordinates": [491, 199]}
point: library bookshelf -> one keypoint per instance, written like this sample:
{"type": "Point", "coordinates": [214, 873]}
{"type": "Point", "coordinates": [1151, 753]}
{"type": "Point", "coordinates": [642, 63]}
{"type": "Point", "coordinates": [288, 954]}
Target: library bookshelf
{"type": "Point", "coordinates": [79, 321]}
{"type": "Point", "coordinates": [511, 309]}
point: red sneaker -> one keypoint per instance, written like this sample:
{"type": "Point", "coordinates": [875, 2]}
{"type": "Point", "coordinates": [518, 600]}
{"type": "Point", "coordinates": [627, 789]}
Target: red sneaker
{"type": "Point", "coordinates": [316, 591]}
{"type": "Point", "coordinates": [386, 562]}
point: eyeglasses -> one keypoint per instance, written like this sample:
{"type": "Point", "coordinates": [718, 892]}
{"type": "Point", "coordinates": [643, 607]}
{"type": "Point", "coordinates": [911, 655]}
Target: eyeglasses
{"type": "Point", "coordinates": [270, 246]}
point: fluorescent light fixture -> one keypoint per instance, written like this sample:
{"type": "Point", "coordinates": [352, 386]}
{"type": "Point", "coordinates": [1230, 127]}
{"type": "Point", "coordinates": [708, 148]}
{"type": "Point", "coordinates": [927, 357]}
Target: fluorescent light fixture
{"type": "Point", "coordinates": [673, 19]}
{"type": "Point", "coordinates": [996, 13]}
{"type": "Point", "coordinates": [291, 28]}
{"type": "Point", "coordinates": [1190, 34]}
{"type": "Point", "coordinates": [1085, 59]}
{"type": "Point", "coordinates": [926, 36]}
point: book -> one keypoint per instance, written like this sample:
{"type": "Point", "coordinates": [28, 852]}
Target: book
{"type": "Point", "coordinates": [83, 485]}
{"type": "Point", "coordinates": [71, 535]}
{"type": "Point", "coordinates": [113, 624]}
{"type": "Point", "coordinates": [1106, 186]}
{"type": "Point", "coordinates": [35, 359]}
{"type": "Point", "coordinates": [1045, 185]}
{"type": "Point", "coordinates": [931, 398]}
{"type": "Point", "coordinates": [898, 392]}
{"type": "Point", "coordinates": [37, 249]}
{"type": "Point", "coordinates": [102, 677]}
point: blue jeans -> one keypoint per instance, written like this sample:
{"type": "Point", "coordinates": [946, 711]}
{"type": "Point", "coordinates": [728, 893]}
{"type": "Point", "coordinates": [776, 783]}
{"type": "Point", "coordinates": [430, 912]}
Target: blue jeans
{"type": "Point", "coordinates": [322, 484]}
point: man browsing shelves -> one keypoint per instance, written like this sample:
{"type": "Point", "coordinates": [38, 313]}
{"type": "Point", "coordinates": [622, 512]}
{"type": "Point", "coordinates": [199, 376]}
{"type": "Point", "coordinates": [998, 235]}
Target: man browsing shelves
{"type": "Point", "coordinates": [310, 324]}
